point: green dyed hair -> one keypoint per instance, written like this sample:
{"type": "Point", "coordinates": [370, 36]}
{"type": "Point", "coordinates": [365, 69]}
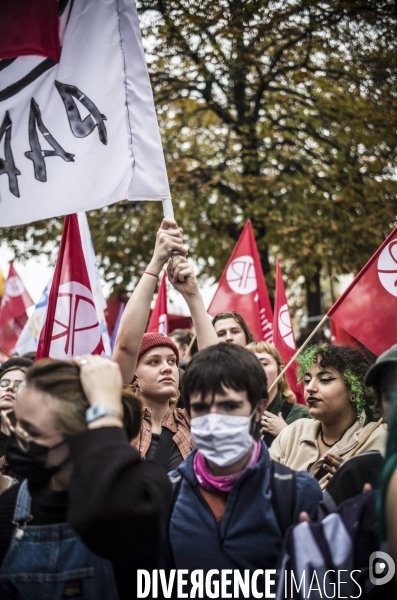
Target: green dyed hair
{"type": "Point", "coordinates": [389, 466]}
{"type": "Point", "coordinates": [352, 365]}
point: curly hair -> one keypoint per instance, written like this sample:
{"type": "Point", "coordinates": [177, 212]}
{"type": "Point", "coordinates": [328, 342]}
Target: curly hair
{"type": "Point", "coordinates": [283, 385]}
{"type": "Point", "coordinates": [352, 365]}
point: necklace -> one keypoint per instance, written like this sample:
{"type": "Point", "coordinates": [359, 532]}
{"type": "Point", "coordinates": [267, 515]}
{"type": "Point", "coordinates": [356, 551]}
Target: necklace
{"type": "Point", "coordinates": [333, 444]}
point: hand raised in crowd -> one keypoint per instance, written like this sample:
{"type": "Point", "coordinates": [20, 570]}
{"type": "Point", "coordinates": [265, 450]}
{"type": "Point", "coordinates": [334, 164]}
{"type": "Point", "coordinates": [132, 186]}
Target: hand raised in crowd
{"type": "Point", "coordinates": [102, 384]}
{"type": "Point", "coordinates": [182, 276]}
{"type": "Point", "coordinates": [168, 243]}
{"type": "Point", "coordinates": [272, 424]}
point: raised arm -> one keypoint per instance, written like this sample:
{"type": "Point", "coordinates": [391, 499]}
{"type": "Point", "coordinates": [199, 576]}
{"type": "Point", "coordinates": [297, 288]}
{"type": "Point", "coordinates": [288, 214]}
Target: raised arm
{"type": "Point", "coordinates": [181, 274]}
{"type": "Point", "coordinates": [134, 320]}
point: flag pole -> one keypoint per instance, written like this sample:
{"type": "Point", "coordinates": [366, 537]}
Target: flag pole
{"type": "Point", "coordinates": [305, 343]}
{"type": "Point", "coordinates": [168, 209]}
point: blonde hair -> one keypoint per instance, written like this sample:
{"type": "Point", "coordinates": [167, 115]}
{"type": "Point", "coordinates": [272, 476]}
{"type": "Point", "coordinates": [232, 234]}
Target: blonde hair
{"type": "Point", "coordinates": [283, 385]}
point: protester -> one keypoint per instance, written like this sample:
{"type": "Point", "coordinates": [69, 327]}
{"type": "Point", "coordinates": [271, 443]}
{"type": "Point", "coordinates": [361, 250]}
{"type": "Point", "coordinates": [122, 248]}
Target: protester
{"type": "Point", "coordinates": [224, 505]}
{"type": "Point", "coordinates": [68, 441]}
{"type": "Point", "coordinates": [10, 380]}
{"type": "Point", "coordinates": [345, 413]}
{"type": "Point", "coordinates": [282, 409]}
{"type": "Point", "coordinates": [230, 327]}
{"type": "Point", "coordinates": [383, 377]}
{"type": "Point", "coordinates": [183, 338]}
{"type": "Point", "coordinates": [164, 435]}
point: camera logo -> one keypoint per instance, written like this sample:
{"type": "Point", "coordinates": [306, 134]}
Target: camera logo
{"type": "Point", "coordinates": [381, 563]}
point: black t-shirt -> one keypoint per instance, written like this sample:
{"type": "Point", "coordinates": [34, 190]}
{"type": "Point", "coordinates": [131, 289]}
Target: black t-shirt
{"type": "Point", "coordinates": [175, 458]}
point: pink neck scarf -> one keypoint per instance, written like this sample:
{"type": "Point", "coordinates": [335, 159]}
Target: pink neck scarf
{"type": "Point", "coordinates": [223, 483]}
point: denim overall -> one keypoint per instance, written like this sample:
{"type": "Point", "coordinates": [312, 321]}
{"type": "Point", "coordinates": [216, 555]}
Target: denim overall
{"type": "Point", "coordinates": [50, 562]}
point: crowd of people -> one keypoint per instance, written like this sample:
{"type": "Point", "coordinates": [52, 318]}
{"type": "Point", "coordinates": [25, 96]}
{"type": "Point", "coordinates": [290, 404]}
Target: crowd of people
{"type": "Point", "coordinates": [173, 455]}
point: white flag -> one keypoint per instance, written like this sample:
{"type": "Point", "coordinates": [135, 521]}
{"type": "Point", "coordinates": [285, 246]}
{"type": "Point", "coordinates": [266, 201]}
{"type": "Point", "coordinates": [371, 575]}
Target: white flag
{"type": "Point", "coordinates": [83, 133]}
{"type": "Point", "coordinates": [29, 338]}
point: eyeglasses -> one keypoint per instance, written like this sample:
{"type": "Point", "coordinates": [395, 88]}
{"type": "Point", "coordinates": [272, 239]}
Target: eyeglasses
{"type": "Point", "coordinates": [5, 383]}
{"type": "Point", "coordinates": [22, 437]}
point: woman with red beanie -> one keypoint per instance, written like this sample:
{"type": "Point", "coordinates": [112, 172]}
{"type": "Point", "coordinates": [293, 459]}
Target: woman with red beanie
{"type": "Point", "coordinates": [153, 358]}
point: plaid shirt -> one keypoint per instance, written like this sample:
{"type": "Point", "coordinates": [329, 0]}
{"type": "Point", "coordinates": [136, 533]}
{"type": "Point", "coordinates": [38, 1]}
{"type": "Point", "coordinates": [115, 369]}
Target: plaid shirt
{"type": "Point", "coordinates": [176, 420]}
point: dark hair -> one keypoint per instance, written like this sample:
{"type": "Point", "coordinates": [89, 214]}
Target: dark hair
{"type": "Point", "coordinates": [352, 365]}
{"type": "Point", "coordinates": [16, 362]}
{"type": "Point", "coordinates": [239, 319]}
{"type": "Point", "coordinates": [184, 336]}
{"type": "Point", "coordinates": [224, 366]}
{"type": "Point", "coordinates": [61, 379]}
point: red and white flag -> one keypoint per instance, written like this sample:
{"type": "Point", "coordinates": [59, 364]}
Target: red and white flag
{"type": "Point", "coordinates": [158, 322]}
{"type": "Point", "coordinates": [283, 334]}
{"type": "Point", "coordinates": [71, 326]}
{"type": "Point", "coordinates": [13, 307]}
{"type": "Point", "coordinates": [78, 126]}
{"type": "Point", "coordinates": [367, 309]}
{"type": "Point", "coordinates": [242, 288]}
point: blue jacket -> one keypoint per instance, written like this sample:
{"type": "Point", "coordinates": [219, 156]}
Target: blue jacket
{"type": "Point", "coordinates": [249, 536]}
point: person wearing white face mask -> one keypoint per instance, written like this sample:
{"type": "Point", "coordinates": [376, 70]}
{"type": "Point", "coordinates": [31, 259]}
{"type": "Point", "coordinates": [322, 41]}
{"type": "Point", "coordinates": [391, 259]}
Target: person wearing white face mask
{"type": "Point", "coordinates": [231, 507]}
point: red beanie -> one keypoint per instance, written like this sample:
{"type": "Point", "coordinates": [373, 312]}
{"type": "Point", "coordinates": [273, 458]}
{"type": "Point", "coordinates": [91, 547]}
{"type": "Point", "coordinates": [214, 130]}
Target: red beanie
{"type": "Point", "coordinates": [152, 340]}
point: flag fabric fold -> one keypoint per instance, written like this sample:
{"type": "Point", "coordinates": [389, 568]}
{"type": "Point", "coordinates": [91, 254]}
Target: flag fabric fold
{"type": "Point", "coordinates": [283, 334]}
{"type": "Point", "coordinates": [71, 326]}
{"type": "Point", "coordinates": [367, 309]}
{"type": "Point", "coordinates": [242, 288]}
{"type": "Point", "coordinates": [14, 302]}
{"type": "Point", "coordinates": [158, 322]}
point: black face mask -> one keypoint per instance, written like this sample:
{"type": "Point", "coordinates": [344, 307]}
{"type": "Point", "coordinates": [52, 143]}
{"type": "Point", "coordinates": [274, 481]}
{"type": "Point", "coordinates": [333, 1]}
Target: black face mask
{"type": "Point", "coordinates": [3, 442]}
{"type": "Point", "coordinates": [31, 465]}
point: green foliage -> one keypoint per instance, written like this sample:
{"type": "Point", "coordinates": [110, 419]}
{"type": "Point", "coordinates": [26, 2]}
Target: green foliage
{"type": "Point", "coordinates": [281, 112]}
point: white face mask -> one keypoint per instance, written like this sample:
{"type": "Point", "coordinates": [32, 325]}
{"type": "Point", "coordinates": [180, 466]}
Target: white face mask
{"type": "Point", "coordinates": [223, 439]}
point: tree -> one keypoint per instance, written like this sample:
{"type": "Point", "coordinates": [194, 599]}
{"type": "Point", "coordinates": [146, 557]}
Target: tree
{"type": "Point", "coordinates": [281, 112]}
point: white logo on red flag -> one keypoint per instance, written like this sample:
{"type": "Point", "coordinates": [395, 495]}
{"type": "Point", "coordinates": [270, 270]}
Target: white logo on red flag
{"type": "Point", "coordinates": [241, 276]}
{"type": "Point", "coordinates": [14, 287]}
{"type": "Point", "coordinates": [285, 327]}
{"type": "Point", "coordinates": [163, 324]}
{"type": "Point", "coordinates": [387, 268]}
{"type": "Point", "coordinates": [76, 322]}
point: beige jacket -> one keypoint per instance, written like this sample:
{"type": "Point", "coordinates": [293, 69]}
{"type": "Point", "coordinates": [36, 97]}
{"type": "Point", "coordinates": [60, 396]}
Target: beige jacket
{"type": "Point", "coordinates": [296, 446]}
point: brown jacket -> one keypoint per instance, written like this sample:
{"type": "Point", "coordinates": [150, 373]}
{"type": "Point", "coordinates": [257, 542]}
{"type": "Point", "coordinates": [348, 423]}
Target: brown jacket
{"type": "Point", "coordinates": [176, 420]}
{"type": "Point", "coordinates": [296, 446]}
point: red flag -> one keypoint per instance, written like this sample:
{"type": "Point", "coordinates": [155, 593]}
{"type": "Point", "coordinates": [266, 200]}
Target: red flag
{"type": "Point", "coordinates": [159, 318]}
{"type": "Point", "coordinates": [71, 327]}
{"type": "Point", "coordinates": [29, 27]}
{"type": "Point", "coordinates": [367, 309]}
{"type": "Point", "coordinates": [283, 334]}
{"type": "Point", "coordinates": [340, 337]}
{"type": "Point", "coordinates": [242, 288]}
{"type": "Point", "coordinates": [13, 307]}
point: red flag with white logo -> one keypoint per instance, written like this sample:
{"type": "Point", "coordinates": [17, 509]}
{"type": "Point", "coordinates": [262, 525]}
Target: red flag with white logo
{"type": "Point", "coordinates": [283, 334]}
{"type": "Point", "coordinates": [159, 318]}
{"type": "Point", "coordinates": [71, 326]}
{"type": "Point", "coordinates": [13, 307]}
{"type": "Point", "coordinates": [242, 288]}
{"type": "Point", "coordinates": [367, 309]}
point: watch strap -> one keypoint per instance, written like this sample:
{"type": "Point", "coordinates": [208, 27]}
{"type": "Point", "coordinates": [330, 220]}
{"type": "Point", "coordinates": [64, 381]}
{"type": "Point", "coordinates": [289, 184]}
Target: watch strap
{"type": "Point", "coordinates": [100, 410]}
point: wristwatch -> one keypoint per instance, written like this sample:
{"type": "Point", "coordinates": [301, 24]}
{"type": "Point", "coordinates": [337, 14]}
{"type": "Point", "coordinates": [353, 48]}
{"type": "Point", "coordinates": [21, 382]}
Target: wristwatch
{"type": "Point", "coordinates": [97, 412]}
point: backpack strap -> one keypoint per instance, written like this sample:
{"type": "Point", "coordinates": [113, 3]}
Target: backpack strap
{"type": "Point", "coordinates": [283, 488]}
{"type": "Point", "coordinates": [164, 446]}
